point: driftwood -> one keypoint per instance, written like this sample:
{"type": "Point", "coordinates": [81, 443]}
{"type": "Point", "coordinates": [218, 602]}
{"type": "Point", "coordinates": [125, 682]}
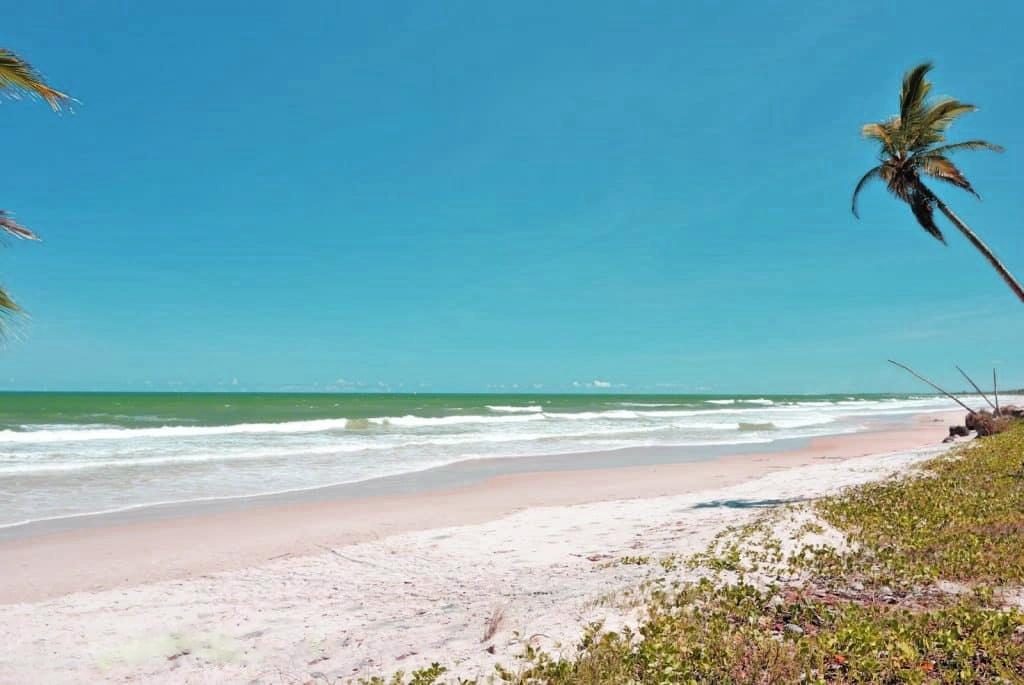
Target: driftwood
{"type": "Point", "coordinates": [971, 381]}
{"type": "Point", "coordinates": [985, 423]}
{"type": "Point", "coordinates": [919, 376]}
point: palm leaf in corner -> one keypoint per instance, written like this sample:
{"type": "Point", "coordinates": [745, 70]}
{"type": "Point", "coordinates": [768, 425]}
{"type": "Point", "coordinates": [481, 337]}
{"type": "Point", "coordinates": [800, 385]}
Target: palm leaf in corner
{"type": "Point", "coordinates": [18, 76]}
{"type": "Point", "coordinates": [11, 227]}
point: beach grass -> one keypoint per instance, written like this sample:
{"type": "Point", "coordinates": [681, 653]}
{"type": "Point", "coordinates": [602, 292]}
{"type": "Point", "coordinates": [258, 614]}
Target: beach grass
{"type": "Point", "coordinates": [926, 587]}
{"type": "Point", "coordinates": [962, 519]}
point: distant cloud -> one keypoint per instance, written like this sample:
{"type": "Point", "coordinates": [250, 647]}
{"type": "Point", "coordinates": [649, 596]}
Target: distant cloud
{"type": "Point", "coordinates": [596, 383]}
{"type": "Point", "coordinates": [344, 384]}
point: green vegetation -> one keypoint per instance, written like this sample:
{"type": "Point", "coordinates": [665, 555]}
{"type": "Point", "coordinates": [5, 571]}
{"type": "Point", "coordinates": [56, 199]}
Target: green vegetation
{"type": "Point", "coordinates": [868, 614]}
{"type": "Point", "coordinates": [710, 633]}
{"type": "Point", "coordinates": [913, 144]}
{"type": "Point", "coordinates": [871, 612]}
{"type": "Point", "coordinates": [423, 676]}
{"type": "Point", "coordinates": [962, 520]}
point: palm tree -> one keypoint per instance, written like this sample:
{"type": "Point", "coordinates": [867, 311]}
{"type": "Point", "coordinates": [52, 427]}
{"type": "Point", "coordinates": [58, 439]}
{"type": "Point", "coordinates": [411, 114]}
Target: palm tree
{"type": "Point", "coordinates": [17, 77]}
{"type": "Point", "coordinates": [914, 145]}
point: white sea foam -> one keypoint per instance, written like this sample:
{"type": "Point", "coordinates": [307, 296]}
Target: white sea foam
{"type": "Point", "coordinates": [411, 421]}
{"type": "Point", "coordinates": [93, 432]}
{"type": "Point", "coordinates": [531, 409]}
{"type": "Point", "coordinates": [593, 415]}
{"type": "Point", "coordinates": [86, 433]}
{"type": "Point", "coordinates": [59, 469]}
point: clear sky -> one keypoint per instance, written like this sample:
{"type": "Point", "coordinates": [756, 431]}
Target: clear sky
{"type": "Point", "coordinates": [477, 196]}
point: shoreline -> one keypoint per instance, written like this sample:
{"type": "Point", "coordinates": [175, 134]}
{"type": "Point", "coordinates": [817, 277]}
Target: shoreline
{"type": "Point", "coordinates": [457, 474]}
{"type": "Point", "coordinates": [133, 548]}
{"type": "Point", "coordinates": [477, 575]}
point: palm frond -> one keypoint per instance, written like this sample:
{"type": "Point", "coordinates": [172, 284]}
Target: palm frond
{"type": "Point", "coordinates": [7, 306]}
{"type": "Point", "coordinates": [872, 174]}
{"type": "Point", "coordinates": [923, 207]}
{"type": "Point", "coordinates": [898, 181]}
{"type": "Point", "coordinates": [881, 132]}
{"type": "Point", "coordinates": [12, 227]}
{"type": "Point", "coordinates": [939, 115]}
{"type": "Point", "coordinates": [943, 169]}
{"type": "Point", "coordinates": [929, 125]}
{"type": "Point", "coordinates": [965, 145]}
{"type": "Point", "coordinates": [915, 91]}
{"type": "Point", "coordinates": [19, 75]}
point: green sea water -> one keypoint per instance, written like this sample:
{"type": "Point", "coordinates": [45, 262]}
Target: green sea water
{"type": "Point", "coordinates": [136, 410]}
{"type": "Point", "coordinates": [67, 454]}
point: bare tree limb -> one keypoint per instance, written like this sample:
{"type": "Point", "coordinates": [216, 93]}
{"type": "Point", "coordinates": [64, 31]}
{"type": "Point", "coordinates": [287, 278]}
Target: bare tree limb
{"type": "Point", "coordinates": [964, 374]}
{"type": "Point", "coordinates": [944, 392]}
{"type": "Point", "coordinates": [995, 389]}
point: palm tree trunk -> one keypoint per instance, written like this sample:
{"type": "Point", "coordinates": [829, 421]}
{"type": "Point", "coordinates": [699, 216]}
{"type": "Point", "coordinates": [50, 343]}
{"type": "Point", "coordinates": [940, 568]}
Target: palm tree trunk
{"type": "Point", "coordinates": [982, 247]}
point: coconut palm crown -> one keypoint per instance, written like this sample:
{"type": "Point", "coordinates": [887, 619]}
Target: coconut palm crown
{"type": "Point", "coordinates": [17, 78]}
{"type": "Point", "coordinates": [914, 147]}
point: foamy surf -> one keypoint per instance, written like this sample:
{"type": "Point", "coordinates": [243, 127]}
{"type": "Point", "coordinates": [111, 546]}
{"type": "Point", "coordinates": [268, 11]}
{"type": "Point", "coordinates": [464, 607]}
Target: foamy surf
{"type": "Point", "coordinates": [529, 409]}
{"type": "Point", "coordinates": [111, 457]}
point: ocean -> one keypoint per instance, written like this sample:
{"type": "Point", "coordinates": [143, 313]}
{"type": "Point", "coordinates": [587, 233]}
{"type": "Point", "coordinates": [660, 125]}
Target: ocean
{"type": "Point", "coordinates": [68, 454]}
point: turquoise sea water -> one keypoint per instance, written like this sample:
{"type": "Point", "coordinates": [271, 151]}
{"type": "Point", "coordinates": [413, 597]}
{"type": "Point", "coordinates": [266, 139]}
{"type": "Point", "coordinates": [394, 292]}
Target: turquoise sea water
{"type": "Point", "coordinates": [64, 454]}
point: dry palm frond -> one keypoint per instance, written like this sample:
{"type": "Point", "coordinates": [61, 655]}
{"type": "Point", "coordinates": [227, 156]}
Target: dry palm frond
{"type": "Point", "coordinates": [941, 168]}
{"type": "Point", "coordinates": [12, 227]}
{"type": "Point", "coordinates": [18, 76]}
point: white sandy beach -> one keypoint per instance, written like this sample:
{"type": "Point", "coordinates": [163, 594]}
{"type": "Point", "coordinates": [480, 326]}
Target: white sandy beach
{"type": "Point", "coordinates": [344, 601]}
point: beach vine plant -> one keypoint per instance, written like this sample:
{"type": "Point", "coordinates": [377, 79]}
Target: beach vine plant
{"type": "Point", "coordinates": [913, 145]}
{"type": "Point", "coordinates": [18, 78]}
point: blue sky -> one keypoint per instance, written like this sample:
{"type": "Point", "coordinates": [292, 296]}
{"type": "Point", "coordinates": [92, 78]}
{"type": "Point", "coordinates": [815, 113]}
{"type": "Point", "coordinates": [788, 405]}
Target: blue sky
{"type": "Point", "coordinates": [473, 196]}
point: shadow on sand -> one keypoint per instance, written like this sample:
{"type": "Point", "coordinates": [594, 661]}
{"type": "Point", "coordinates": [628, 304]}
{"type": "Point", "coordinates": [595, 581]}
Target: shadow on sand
{"type": "Point", "coordinates": [747, 503]}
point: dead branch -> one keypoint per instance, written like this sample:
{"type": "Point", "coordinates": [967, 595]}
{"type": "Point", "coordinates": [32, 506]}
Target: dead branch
{"type": "Point", "coordinates": [995, 389]}
{"type": "Point", "coordinates": [919, 376]}
{"type": "Point", "coordinates": [969, 380]}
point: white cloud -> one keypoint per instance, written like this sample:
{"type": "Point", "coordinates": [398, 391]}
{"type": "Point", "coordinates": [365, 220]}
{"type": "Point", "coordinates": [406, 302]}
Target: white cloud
{"type": "Point", "coordinates": [596, 383]}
